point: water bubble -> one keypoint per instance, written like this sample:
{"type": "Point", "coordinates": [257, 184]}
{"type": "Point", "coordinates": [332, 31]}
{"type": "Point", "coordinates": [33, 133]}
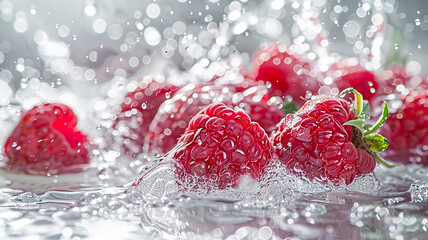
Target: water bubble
{"type": "Point", "coordinates": [33, 10]}
{"type": "Point", "coordinates": [20, 25]}
{"type": "Point", "coordinates": [89, 74]}
{"type": "Point", "coordinates": [152, 36]}
{"type": "Point", "coordinates": [90, 10]}
{"type": "Point", "coordinates": [277, 4]}
{"type": "Point", "coordinates": [351, 29]}
{"type": "Point", "coordinates": [53, 49]}
{"type": "Point", "coordinates": [99, 25]}
{"type": "Point", "coordinates": [179, 27]}
{"type": "Point", "coordinates": [133, 61]}
{"type": "Point", "coordinates": [240, 28]}
{"type": "Point", "coordinates": [28, 197]}
{"type": "Point", "coordinates": [115, 31]}
{"type": "Point", "coordinates": [93, 56]}
{"type": "Point", "coordinates": [396, 46]}
{"type": "Point", "coordinates": [417, 22]}
{"type": "Point", "coordinates": [419, 191]}
{"type": "Point", "coordinates": [153, 10]}
{"type": "Point", "coordinates": [377, 19]}
{"type": "Point", "coordinates": [63, 31]}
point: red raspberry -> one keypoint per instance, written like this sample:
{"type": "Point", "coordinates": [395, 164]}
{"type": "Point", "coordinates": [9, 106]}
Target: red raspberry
{"type": "Point", "coordinates": [221, 145]}
{"type": "Point", "coordinates": [46, 142]}
{"type": "Point", "coordinates": [287, 72]}
{"type": "Point", "coordinates": [349, 73]}
{"type": "Point", "coordinates": [173, 117]}
{"type": "Point", "coordinates": [396, 76]}
{"type": "Point", "coordinates": [407, 130]}
{"type": "Point", "coordinates": [138, 110]}
{"type": "Point", "coordinates": [314, 142]}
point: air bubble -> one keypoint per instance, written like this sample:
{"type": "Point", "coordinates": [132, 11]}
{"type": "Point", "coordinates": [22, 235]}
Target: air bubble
{"type": "Point", "coordinates": [179, 27]}
{"type": "Point", "coordinates": [133, 61]}
{"type": "Point", "coordinates": [115, 31]}
{"type": "Point", "coordinates": [99, 25]}
{"type": "Point", "coordinates": [90, 10]}
{"type": "Point", "coordinates": [153, 10]}
{"type": "Point", "coordinates": [63, 31]}
{"type": "Point", "coordinates": [20, 25]}
{"type": "Point", "coordinates": [28, 198]}
{"type": "Point", "coordinates": [417, 22]}
{"type": "Point", "coordinates": [152, 36]}
{"type": "Point", "coordinates": [351, 29]}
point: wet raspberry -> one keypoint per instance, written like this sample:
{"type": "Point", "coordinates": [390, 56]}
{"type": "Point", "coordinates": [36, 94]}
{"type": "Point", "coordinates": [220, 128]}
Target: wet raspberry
{"type": "Point", "coordinates": [173, 117]}
{"type": "Point", "coordinates": [287, 72]}
{"type": "Point", "coordinates": [314, 143]}
{"type": "Point", "coordinates": [349, 73]}
{"type": "Point", "coordinates": [396, 79]}
{"type": "Point", "coordinates": [223, 144]}
{"type": "Point", "coordinates": [46, 141]}
{"type": "Point", "coordinates": [138, 110]}
{"type": "Point", "coordinates": [407, 130]}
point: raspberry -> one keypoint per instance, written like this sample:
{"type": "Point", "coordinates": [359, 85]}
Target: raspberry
{"type": "Point", "coordinates": [221, 145]}
{"type": "Point", "coordinates": [408, 130]}
{"type": "Point", "coordinates": [46, 142]}
{"type": "Point", "coordinates": [349, 73]}
{"type": "Point", "coordinates": [138, 110]}
{"type": "Point", "coordinates": [315, 142]}
{"type": "Point", "coordinates": [396, 76]}
{"type": "Point", "coordinates": [173, 117]}
{"type": "Point", "coordinates": [286, 71]}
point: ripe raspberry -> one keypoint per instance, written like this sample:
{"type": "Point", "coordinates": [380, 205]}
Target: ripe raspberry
{"type": "Point", "coordinates": [221, 145]}
{"type": "Point", "coordinates": [349, 73]}
{"type": "Point", "coordinates": [287, 72]}
{"type": "Point", "coordinates": [395, 76]}
{"type": "Point", "coordinates": [46, 142]}
{"type": "Point", "coordinates": [408, 130]}
{"type": "Point", "coordinates": [317, 142]}
{"type": "Point", "coordinates": [138, 110]}
{"type": "Point", "coordinates": [173, 117]}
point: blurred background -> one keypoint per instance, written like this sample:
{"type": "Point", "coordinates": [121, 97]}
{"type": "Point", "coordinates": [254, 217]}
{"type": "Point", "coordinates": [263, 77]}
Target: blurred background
{"type": "Point", "coordinates": [76, 50]}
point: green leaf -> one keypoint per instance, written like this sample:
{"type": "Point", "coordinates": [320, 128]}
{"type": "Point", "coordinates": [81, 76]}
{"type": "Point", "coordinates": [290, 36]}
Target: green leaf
{"type": "Point", "coordinates": [358, 100]}
{"type": "Point", "coordinates": [366, 109]}
{"type": "Point", "coordinates": [358, 123]}
{"type": "Point", "coordinates": [380, 121]}
{"type": "Point", "coordinates": [376, 142]}
{"type": "Point", "coordinates": [289, 108]}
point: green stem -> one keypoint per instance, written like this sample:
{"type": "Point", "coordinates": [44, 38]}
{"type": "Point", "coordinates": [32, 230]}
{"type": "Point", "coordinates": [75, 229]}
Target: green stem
{"type": "Point", "coordinates": [381, 120]}
{"type": "Point", "coordinates": [358, 100]}
{"type": "Point", "coordinates": [383, 162]}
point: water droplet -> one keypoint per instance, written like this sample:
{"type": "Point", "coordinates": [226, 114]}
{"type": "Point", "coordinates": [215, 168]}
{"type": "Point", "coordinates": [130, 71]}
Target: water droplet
{"type": "Point", "coordinates": [24, 82]}
{"type": "Point", "coordinates": [396, 46]}
{"type": "Point", "coordinates": [417, 22]}
{"type": "Point", "coordinates": [419, 191]}
{"type": "Point", "coordinates": [28, 197]}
